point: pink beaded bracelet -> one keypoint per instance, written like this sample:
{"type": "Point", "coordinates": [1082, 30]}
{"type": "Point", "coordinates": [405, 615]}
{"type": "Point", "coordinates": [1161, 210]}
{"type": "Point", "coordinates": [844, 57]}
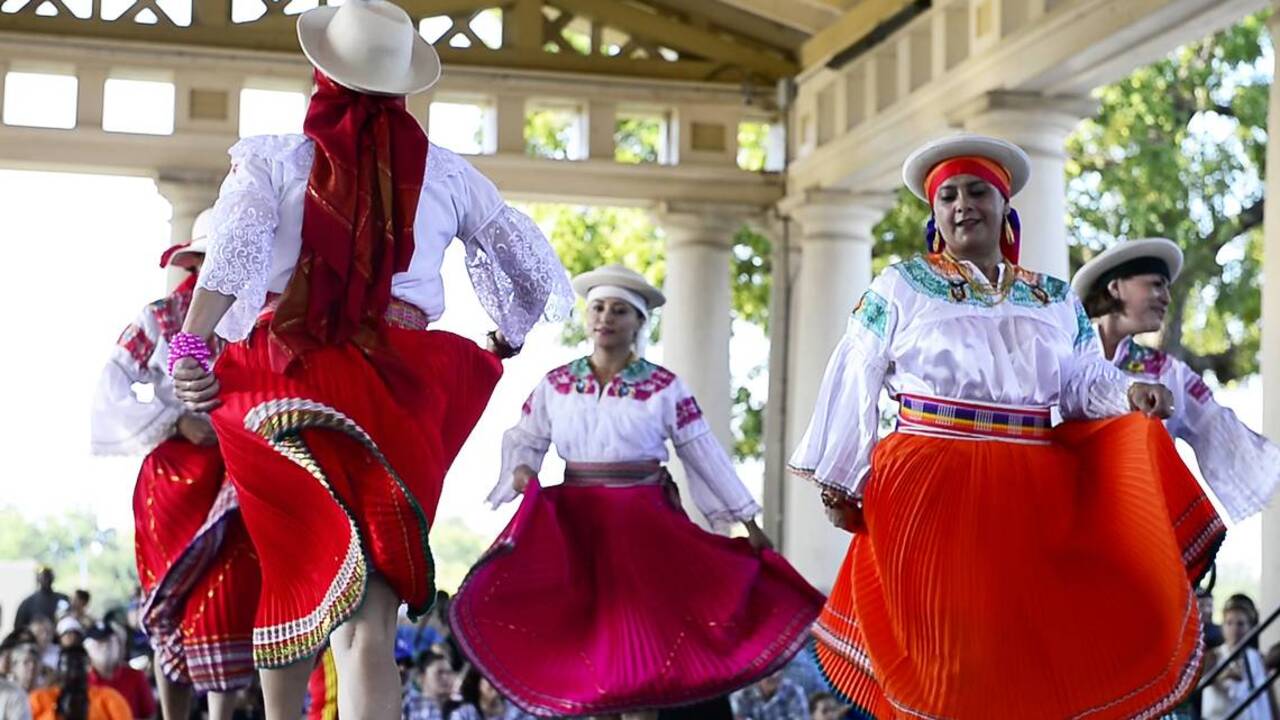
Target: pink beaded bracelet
{"type": "Point", "coordinates": [189, 345]}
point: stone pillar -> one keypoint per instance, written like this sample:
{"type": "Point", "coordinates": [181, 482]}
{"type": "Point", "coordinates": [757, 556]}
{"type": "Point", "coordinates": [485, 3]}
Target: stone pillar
{"type": "Point", "coordinates": [509, 112]}
{"type": "Point", "coordinates": [189, 193]}
{"type": "Point", "coordinates": [782, 234]}
{"type": "Point", "coordinates": [697, 318]}
{"type": "Point", "coordinates": [1039, 125]}
{"type": "Point", "coordinates": [835, 237]}
{"type": "Point", "coordinates": [1271, 343]}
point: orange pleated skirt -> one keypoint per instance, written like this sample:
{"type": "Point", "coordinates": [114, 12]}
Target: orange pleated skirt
{"type": "Point", "coordinates": [1001, 580]}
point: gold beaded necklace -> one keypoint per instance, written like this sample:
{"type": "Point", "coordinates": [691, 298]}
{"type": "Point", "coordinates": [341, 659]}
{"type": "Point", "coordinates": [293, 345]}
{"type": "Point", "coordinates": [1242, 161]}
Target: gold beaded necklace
{"type": "Point", "coordinates": [992, 297]}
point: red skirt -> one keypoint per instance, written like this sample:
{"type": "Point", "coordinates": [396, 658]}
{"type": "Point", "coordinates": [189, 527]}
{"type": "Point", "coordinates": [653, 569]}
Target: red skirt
{"type": "Point", "coordinates": [1001, 580]}
{"type": "Point", "coordinates": [600, 599]}
{"type": "Point", "coordinates": [339, 465]}
{"type": "Point", "coordinates": [198, 569]}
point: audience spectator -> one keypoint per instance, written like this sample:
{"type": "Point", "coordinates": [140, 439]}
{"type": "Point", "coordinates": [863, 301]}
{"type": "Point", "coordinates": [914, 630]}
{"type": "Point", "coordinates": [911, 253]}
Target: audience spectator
{"type": "Point", "coordinates": [824, 706]}
{"type": "Point", "coordinates": [108, 669]}
{"type": "Point", "coordinates": [803, 670]}
{"type": "Point", "coordinates": [1212, 630]}
{"type": "Point", "coordinates": [70, 632]}
{"type": "Point", "coordinates": [482, 701]}
{"type": "Point", "coordinates": [13, 697]}
{"type": "Point", "coordinates": [73, 698]}
{"type": "Point", "coordinates": [22, 660]}
{"type": "Point", "coordinates": [429, 698]}
{"type": "Point", "coordinates": [772, 698]}
{"type": "Point", "coordinates": [44, 602]}
{"type": "Point", "coordinates": [1237, 682]}
{"type": "Point", "coordinates": [42, 629]}
{"type": "Point", "coordinates": [79, 608]}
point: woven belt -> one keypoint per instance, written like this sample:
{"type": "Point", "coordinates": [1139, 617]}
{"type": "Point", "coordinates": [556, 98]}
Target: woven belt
{"type": "Point", "coordinates": [619, 474]}
{"type": "Point", "coordinates": [944, 417]}
{"type": "Point", "coordinates": [399, 314]}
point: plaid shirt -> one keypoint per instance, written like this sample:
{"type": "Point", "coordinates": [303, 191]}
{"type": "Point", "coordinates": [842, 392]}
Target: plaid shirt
{"type": "Point", "coordinates": [417, 706]}
{"type": "Point", "coordinates": [788, 703]}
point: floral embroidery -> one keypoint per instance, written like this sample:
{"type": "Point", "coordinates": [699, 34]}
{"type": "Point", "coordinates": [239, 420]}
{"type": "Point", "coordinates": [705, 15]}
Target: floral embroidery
{"type": "Point", "coordinates": [639, 380]}
{"type": "Point", "coordinates": [527, 408]}
{"type": "Point", "coordinates": [937, 277]}
{"type": "Point", "coordinates": [170, 311]}
{"type": "Point", "coordinates": [574, 377]}
{"type": "Point", "coordinates": [873, 312]}
{"type": "Point", "coordinates": [1198, 390]}
{"type": "Point", "coordinates": [137, 344]}
{"type": "Point", "coordinates": [687, 411]}
{"type": "Point", "coordinates": [1085, 333]}
{"type": "Point", "coordinates": [1141, 360]}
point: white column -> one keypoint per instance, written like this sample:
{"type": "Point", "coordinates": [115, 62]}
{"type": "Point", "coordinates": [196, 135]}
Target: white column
{"type": "Point", "coordinates": [1039, 125]}
{"type": "Point", "coordinates": [188, 193]}
{"type": "Point", "coordinates": [781, 232]}
{"type": "Point", "coordinates": [696, 320]}
{"type": "Point", "coordinates": [1271, 341]}
{"type": "Point", "coordinates": [835, 269]}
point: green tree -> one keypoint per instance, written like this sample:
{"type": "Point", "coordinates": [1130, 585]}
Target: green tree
{"type": "Point", "coordinates": [81, 553]}
{"type": "Point", "coordinates": [455, 549]}
{"type": "Point", "coordinates": [900, 233]}
{"type": "Point", "coordinates": [1177, 150]}
{"type": "Point", "coordinates": [638, 139]}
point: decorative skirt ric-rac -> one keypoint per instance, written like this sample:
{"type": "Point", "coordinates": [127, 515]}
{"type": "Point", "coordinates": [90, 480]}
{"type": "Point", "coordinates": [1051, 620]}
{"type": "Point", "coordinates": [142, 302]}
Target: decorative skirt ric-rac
{"type": "Point", "coordinates": [1013, 570]}
{"type": "Point", "coordinates": [197, 567]}
{"type": "Point", "coordinates": [339, 465]}
{"type": "Point", "coordinates": [601, 596]}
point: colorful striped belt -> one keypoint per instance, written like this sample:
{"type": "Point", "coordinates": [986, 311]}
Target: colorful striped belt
{"type": "Point", "coordinates": [945, 417]}
{"type": "Point", "coordinates": [399, 314]}
{"type": "Point", "coordinates": [619, 474]}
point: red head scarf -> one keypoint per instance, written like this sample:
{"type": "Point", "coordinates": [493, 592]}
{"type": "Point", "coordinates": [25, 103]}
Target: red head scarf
{"type": "Point", "coordinates": [357, 220]}
{"type": "Point", "coordinates": [988, 170]}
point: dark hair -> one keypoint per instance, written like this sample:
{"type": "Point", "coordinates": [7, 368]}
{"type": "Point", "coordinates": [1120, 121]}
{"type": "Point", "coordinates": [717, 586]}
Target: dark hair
{"type": "Point", "coordinates": [22, 636]}
{"type": "Point", "coordinates": [1243, 604]}
{"type": "Point", "coordinates": [73, 697]}
{"type": "Point", "coordinates": [1099, 301]}
{"type": "Point", "coordinates": [429, 657]}
{"type": "Point", "coordinates": [817, 699]}
{"type": "Point", "coordinates": [83, 596]}
{"type": "Point", "coordinates": [469, 689]}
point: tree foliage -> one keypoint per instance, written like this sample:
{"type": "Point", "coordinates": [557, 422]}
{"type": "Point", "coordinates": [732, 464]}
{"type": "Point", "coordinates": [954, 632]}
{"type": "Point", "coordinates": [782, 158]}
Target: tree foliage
{"type": "Point", "coordinates": [81, 553]}
{"type": "Point", "coordinates": [1177, 150]}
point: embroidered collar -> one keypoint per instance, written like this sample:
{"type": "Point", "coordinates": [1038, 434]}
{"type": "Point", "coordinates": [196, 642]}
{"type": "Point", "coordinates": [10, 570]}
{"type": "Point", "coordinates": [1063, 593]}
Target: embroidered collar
{"type": "Point", "coordinates": [640, 380]}
{"type": "Point", "coordinates": [1137, 359]}
{"type": "Point", "coordinates": [940, 278]}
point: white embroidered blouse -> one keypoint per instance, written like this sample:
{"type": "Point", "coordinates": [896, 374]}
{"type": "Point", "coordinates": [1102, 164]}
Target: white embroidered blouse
{"type": "Point", "coordinates": [628, 420]}
{"type": "Point", "coordinates": [922, 329]}
{"type": "Point", "coordinates": [1241, 466]}
{"type": "Point", "coordinates": [257, 236]}
{"type": "Point", "coordinates": [120, 422]}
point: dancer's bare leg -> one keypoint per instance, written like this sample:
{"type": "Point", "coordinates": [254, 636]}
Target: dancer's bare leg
{"type": "Point", "coordinates": [364, 652]}
{"type": "Point", "coordinates": [175, 697]}
{"type": "Point", "coordinates": [222, 705]}
{"type": "Point", "coordinates": [284, 689]}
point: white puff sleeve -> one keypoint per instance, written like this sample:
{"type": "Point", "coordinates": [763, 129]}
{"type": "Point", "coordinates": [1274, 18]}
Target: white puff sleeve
{"type": "Point", "coordinates": [1241, 466]}
{"type": "Point", "coordinates": [1092, 387]}
{"type": "Point", "coordinates": [121, 423]}
{"type": "Point", "coordinates": [524, 444]}
{"type": "Point", "coordinates": [714, 485]}
{"type": "Point", "coordinates": [835, 451]}
{"type": "Point", "coordinates": [238, 261]}
{"type": "Point", "coordinates": [515, 272]}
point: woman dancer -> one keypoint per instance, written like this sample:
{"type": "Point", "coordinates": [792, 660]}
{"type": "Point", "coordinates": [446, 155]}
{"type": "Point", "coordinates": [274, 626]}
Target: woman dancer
{"type": "Point", "coordinates": [338, 413]}
{"type": "Point", "coordinates": [601, 596]}
{"type": "Point", "coordinates": [991, 550]}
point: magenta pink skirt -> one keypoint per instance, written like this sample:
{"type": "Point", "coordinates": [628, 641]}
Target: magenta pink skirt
{"type": "Point", "coordinates": [599, 599]}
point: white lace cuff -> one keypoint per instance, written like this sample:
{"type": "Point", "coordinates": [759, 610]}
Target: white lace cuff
{"type": "Point", "coordinates": [1241, 466]}
{"type": "Point", "coordinates": [517, 274]}
{"type": "Point", "coordinates": [518, 448]}
{"type": "Point", "coordinates": [238, 262]}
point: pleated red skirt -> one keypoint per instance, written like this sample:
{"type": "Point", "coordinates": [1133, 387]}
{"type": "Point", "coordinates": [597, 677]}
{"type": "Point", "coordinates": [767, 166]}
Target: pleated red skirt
{"type": "Point", "coordinates": [998, 580]}
{"type": "Point", "coordinates": [601, 600]}
{"type": "Point", "coordinates": [197, 566]}
{"type": "Point", "coordinates": [339, 466]}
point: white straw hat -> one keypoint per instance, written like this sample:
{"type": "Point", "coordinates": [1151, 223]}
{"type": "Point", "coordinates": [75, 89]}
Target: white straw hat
{"type": "Point", "coordinates": [1113, 257]}
{"type": "Point", "coordinates": [919, 163]}
{"type": "Point", "coordinates": [623, 277]}
{"type": "Point", "coordinates": [370, 46]}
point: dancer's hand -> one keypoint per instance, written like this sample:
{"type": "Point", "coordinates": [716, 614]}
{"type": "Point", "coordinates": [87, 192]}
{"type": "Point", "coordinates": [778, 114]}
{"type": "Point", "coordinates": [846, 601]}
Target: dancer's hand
{"type": "Point", "coordinates": [196, 387]}
{"type": "Point", "coordinates": [522, 475]}
{"type": "Point", "coordinates": [197, 430]}
{"type": "Point", "coordinates": [1151, 399]}
{"type": "Point", "coordinates": [498, 345]}
{"type": "Point", "coordinates": [843, 511]}
{"type": "Point", "coordinates": [759, 541]}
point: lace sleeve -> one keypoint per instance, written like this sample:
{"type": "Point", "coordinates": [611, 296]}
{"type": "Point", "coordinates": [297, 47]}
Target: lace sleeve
{"type": "Point", "coordinates": [516, 274]}
{"type": "Point", "coordinates": [238, 261]}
